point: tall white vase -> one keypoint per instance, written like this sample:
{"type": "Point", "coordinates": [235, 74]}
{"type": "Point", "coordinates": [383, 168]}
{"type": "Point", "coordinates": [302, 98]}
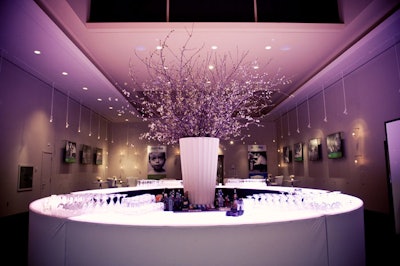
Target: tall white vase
{"type": "Point", "coordinates": [199, 160]}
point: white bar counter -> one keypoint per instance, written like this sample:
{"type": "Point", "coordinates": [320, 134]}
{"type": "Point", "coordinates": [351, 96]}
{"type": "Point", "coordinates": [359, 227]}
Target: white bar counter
{"type": "Point", "coordinates": [274, 234]}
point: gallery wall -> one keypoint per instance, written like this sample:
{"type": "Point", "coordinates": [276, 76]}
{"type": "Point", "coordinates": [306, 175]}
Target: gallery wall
{"type": "Point", "coordinates": [370, 95]}
{"type": "Point", "coordinates": [28, 138]}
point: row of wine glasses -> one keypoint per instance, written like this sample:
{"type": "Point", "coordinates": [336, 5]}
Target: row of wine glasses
{"type": "Point", "coordinates": [296, 201]}
{"type": "Point", "coordinates": [67, 205]}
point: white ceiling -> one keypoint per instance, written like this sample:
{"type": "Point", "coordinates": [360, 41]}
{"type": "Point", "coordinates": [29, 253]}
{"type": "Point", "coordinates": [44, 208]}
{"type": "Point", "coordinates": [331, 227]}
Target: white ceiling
{"type": "Point", "coordinates": [96, 55]}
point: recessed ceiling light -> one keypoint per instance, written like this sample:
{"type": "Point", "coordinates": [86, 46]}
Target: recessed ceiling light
{"type": "Point", "coordinates": [126, 119]}
{"type": "Point", "coordinates": [65, 73]}
{"type": "Point", "coordinates": [158, 47]}
{"type": "Point", "coordinates": [84, 88]}
{"type": "Point", "coordinates": [140, 48]}
{"type": "Point", "coordinates": [99, 99]}
{"type": "Point", "coordinates": [37, 52]}
{"type": "Point", "coordinates": [214, 47]}
{"type": "Point", "coordinates": [110, 107]}
{"type": "Point", "coordinates": [268, 47]}
{"type": "Point", "coordinates": [210, 67]}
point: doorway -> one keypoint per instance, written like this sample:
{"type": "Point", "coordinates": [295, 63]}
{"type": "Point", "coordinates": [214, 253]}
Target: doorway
{"type": "Point", "coordinates": [46, 174]}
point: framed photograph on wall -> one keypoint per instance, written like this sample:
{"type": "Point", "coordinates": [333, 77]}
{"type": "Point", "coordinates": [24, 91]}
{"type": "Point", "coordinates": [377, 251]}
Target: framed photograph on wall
{"type": "Point", "coordinates": [70, 152]}
{"type": "Point", "coordinates": [98, 156]}
{"type": "Point", "coordinates": [314, 149]}
{"type": "Point", "coordinates": [157, 157]}
{"type": "Point", "coordinates": [334, 145]}
{"type": "Point", "coordinates": [86, 154]}
{"type": "Point", "coordinates": [298, 152]}
{"type": "Point", "coordinates": [287, 154]}
{"type": "Point", "coordinates": [257, 160]}
{"type": "Point", "coordinates": [25, 177]}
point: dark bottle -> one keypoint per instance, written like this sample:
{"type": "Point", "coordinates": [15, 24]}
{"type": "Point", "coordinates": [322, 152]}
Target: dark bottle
{"type": "Point", "coordinates": [220, 199]}
{"type": "Point", "coordinates": [185, 201]}
{"type": "Point", "coordinates": [178, 201]}
{"type": "Point", "coordinates": [171, 200]}
{"type": "Point", "coordinates": [165, 201]}
{"type": "Point", "coordinates": [234, 205]}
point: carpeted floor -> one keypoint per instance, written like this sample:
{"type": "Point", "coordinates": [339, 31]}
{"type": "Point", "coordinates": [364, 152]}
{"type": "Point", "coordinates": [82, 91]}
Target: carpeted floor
{"type": "Point", "coordinates": [382, 244]}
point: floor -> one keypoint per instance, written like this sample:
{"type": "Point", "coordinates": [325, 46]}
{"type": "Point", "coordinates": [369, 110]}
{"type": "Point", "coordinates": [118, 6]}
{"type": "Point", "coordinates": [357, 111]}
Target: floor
{"type": "Point", "coordinates": [382, 244]}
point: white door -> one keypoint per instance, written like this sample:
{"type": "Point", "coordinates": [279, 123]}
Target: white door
{"type": "Point", "coordinates": [393, 144]}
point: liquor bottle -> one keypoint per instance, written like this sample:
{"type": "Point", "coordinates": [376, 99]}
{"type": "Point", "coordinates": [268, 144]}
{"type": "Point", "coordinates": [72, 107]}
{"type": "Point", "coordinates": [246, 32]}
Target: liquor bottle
{"type": "Point", "coordinates": [234, 206]}
{"type": "Point", "coordinates": [220, 199]}
{"type": "Point", "coordinates": [171, 200]}
{"type": "Point", "coordinates": [165, 201]}
{"type": "Point", "coordinates": [185, 201]}
{"type": "Point", "coordinates": [178, 201]}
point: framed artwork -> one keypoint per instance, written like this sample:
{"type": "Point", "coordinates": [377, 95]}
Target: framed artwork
{"type": "Point", "coordinates": [257, 160]}
{"type": "Point", "coordinates": [86, 154]}
{"type": "Point", "coordinates": [287, 154]}
{"type": "Point", "coordinates": [298, 152]}
{"type": "Point", "coordinates": [157, 157]}
{"type": "Point", "coordinates": [70, 152]}
{"type": "Point", "coordinates": [25, 177]}
{"type": "Point", "coordinates": [334, 145]}
{"type": "Point", "coordinates": [98, 156]}
{"type": "Point", "coordinates": [314, 149]}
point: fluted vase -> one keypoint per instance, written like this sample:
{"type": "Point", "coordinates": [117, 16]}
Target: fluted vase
{"type": "Point", "coordinates": [199, 160]}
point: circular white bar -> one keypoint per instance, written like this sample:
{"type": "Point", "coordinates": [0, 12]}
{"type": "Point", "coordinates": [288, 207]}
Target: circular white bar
{"type": "Point", "coordinates": [263, 235]}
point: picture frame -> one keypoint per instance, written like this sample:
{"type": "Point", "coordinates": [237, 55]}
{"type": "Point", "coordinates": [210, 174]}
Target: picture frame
{"type": "Point", "coordinates": [86, 154]}
{"type": "Point", "coordinates": [287, 154]}
{"type": "Point", "coordinates": [314, 149]}
{"type": "Point", "coordinates": [334, 144]}
{"type": "Point", "coordinates": [25, 177]}
{"type": "Point", "coordinates": [98, 156]}
{"type": "Point", "coordinates": [298, 152]}
{"type": "Point", "coordinates": [157, 157]}
{"type": "Point", "coordinates": [257, 159]}
{"type": "Point", "coordinates": [70, 153]}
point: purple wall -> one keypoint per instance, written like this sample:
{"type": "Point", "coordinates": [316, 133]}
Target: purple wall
{"type": "Point", "coordinates": [372, 97]}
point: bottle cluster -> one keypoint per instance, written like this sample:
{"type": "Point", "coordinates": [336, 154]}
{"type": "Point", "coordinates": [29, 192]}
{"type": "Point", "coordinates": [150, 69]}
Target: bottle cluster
{"type": "Point", "coordinates": [177, 201]}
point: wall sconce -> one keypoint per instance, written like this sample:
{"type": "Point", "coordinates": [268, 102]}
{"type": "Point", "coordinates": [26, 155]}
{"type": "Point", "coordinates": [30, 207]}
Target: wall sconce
{"type": "Point", "coordinates": [355, 132]}
{"type": "Point", "coordinates": [357, 159]}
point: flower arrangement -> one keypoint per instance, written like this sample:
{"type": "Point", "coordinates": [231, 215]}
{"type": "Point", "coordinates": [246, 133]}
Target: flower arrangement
{"type": "Point", "coordinates": [187, 95]}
